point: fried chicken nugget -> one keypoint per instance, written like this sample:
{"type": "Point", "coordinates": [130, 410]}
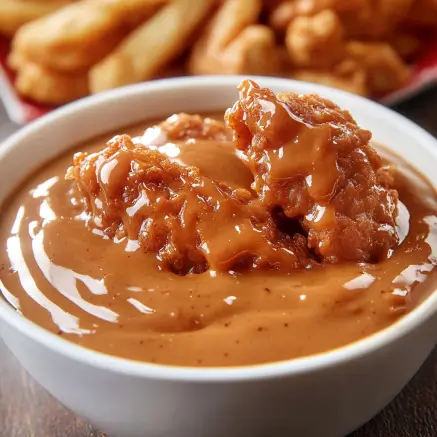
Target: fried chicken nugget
{"type": "Point", "coordinates": [406, 44]}
{"type": "Point", "coordinates": [184, 127]}
{"type": "Point", "coordinates": [360, 18]}
{"type": "Point", "coordinates": [151, 46]}
{"type": "Point", "coordinates": [79, 35]}
{"type": "Point", "coordinates": [312, 161]}
{"type": "Point", "coordinates": [316, 41]}
{"type": "Point", "coordinates": [384, 68]}
{"type": "Point", "coordinates": [16, 13]}
{"type": "Point", "coordinates": [375, 19]}
{"type": "Point", "coordinates": [174, 212]}
{"type": "Point", "coordinates": [284, 13]}
{"type": "Point", "coordinates": [422, 14]}
{"type": "Point", "coordinates": [369, 68]}
{"type": "Point", "coordinates": [353, 82]}
{"type": "Point", "coordinates": [53, 88]}
{"type": "Point", "coordinates": [233, 42]}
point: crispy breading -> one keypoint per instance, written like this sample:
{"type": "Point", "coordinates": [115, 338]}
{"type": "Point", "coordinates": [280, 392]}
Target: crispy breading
{"type": "Point", "coordinates": [183, 127]}
{"type": "Point", "coordinates": [285, 12]}
{"type": "Point", "coordinates": [234, 43]}
{"type": "Point", "coordinates": [353, 82]}
{"type": "Point", "coordinates": [375, 19]}
{"type": "Point", "coordinates": [174, 212]}
{"type": "Point", "coordinates": [316, 41]}
{"type": "Point", "coordinates": [384, 69]}
{"type": "Point", "coordinates": [312, 161]}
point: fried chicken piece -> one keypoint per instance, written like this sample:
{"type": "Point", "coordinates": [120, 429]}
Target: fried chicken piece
{"type": "Point", "coordinates": [350, 80]}
{"type": "Point", "coordinates": [201, 142]}
{"type": "Point", "coordinates": [368, 19]}
{"type": "Point", "coordinates": [384, 69]}
{"type": "Point", "coordinates": [235, 43]}
{"type": "Point", "coordinates": [375, 19]}
{"type": "Point", "coordinates": [190, 222]}
{"type": "Point", "coordinates": [315, 41]}
{"type": "Point", "coordinates": [182, 127]}
{"type": "Point", "coordinates": [313, 161]}
{"type": "Point", "coordinates": [284, 13]}
{"type": "Point", "coordinates": [369, 68]}
{"type": "Point", "coordinates": [406, 44]}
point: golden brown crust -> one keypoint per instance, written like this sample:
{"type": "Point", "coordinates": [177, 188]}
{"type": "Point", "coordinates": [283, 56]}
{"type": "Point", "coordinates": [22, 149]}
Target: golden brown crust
{"type": "Point", "coordinates": [316, 41]}
{"type": "Point", "coordinates": [182, 127]}
{"type": "Point", "coordinates": [382, 67]}
{"type": "Point", "coordinates": [190, 222]}
{"type": "Point", "coordinates": [234, 42]}
{"type": "Point", "coordinates": [312, 160]}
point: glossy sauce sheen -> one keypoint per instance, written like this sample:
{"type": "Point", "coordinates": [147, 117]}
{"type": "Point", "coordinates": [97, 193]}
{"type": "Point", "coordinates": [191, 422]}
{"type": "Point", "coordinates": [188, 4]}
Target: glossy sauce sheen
{"type": "Point", "coordinates": [112, 298]}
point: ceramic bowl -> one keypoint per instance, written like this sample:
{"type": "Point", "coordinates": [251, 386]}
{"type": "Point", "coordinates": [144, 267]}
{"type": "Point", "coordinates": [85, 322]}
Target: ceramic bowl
{"type": "Point", "coordinates": [324, 395]}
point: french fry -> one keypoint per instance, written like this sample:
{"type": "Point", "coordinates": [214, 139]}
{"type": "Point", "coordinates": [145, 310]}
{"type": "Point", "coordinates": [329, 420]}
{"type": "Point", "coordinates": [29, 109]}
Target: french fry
{"type": "Point", "coordinates": [79, 35]}
{"type": "Point", "coordinates": [45, 86]}
{"type": "Point", "coordinates": [233, 42]}
{"type": "Point", "coordinates": [16, 13]}
{"type": "Point", "coordinates": [151, 46]}
{"type": "Point", "coordinates": [73, 47]}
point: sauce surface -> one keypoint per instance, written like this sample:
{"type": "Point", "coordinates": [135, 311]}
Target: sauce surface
{"type": "Point", "coordinates": [112, 298]}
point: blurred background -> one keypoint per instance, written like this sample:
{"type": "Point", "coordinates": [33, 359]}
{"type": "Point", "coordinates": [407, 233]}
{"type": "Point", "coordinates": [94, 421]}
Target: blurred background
{"type": "Point", "coordinates": [55, 51]}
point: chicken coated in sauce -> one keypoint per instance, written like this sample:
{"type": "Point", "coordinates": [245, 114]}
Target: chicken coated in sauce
{"type": "Point", "coordinates": [192, 223]}
{"type": "Point", "coordinates": [319, 194]}
{"type": "Point", "coordinates": [310, 159]}
{"type": "Point", "coordinates": [183, 127]}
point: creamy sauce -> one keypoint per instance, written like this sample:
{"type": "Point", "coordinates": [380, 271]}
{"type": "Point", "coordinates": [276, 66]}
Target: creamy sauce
{"type": "Point", "coordinates": [112, 298]}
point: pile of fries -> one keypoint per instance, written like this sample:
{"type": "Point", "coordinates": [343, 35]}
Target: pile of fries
{"type": "Point", "coordinates": [62, 50]}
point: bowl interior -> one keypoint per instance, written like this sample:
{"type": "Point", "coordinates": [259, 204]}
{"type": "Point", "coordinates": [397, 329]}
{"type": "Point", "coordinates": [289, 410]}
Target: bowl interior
{"type": "Point", "coordinates": [57, 132]}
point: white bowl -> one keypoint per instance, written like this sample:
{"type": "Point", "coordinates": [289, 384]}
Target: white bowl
{"type": "Point", "coordinates": [324, 395]}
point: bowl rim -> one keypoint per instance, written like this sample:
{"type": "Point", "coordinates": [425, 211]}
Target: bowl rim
{"type": "Point", "coordinates": [271, 370]}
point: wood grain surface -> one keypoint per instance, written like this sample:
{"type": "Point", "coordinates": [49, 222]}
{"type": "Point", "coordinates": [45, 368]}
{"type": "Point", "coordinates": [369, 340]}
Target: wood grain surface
{"type": "Point", "coordinates": [26, 410]}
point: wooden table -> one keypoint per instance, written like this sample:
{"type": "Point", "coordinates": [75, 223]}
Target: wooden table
{"type": "Point", "coordinates": [26, 410]}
